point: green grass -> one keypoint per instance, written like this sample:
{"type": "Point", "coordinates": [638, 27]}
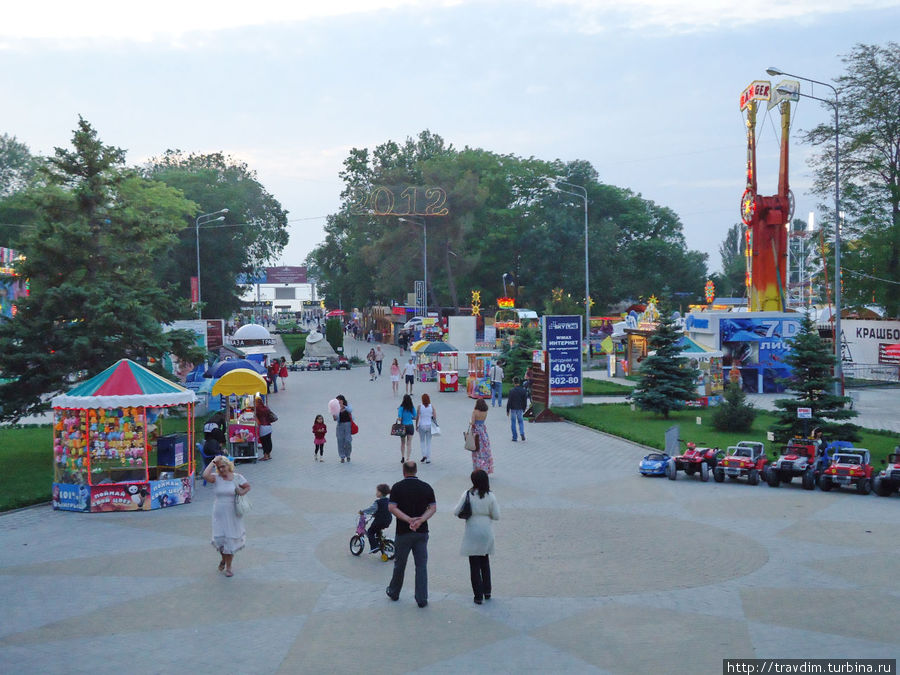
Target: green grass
{"type": "Point", "coordinates": [648, 429]}
{"type": "Point", "coordinates": [295, 344]}
{"type": "Point", "coordinates": [26, 461]}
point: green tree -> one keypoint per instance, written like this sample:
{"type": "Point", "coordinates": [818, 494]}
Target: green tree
{"type": "Point", "coordinates": [870, 173]}
{"type": "Point", "coordinates": [518, 354]}
{"type": "Point", "coordinates": [813, 384]}
{"type": "Point", "coordinates": [98, 231]}
{"type": "Point", "coordinates": [17, 165]}
{"type": "Point", "coordinates": [334, 333]}
{"type": "Point", "coordinates": [734, 266]}
{"type": "Point", "coordinates": [735, 413]}
{"type": "Point", "coordinates": [254, 230]}
{"type": "Point", "coordinates": [667, 379]}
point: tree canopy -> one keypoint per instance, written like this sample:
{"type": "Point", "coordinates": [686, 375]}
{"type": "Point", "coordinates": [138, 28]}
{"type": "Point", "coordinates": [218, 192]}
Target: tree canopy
{"type": "Point", "coordinates": [95, 233]}
{"type": "Point", "coordinates": [869, 107]}
{"type": "Point", "coordinates": [502, 218]}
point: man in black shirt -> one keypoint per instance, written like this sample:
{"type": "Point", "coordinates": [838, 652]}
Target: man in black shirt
{"type": "Point", "coordinates": [516, 404]}
{"type": "Point", "coordinates": [412, 504]}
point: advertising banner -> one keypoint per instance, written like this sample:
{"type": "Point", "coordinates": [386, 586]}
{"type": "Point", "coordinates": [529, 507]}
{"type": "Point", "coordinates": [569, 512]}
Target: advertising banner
{"type": "Point", "coordinates": [171, 492]}
{"type": "Point", "coordinates": [113, 497]}
{"type": "Point", "coordinates": [869, 342]}
{"type": "Point", "coordinates": [562, 338]}
{"type": "Point", "coordinates": [69, 497]}
{"type": "Point", "coordinates": [757, 347]}
{"type": "Point", "coordinates": [285, 275]}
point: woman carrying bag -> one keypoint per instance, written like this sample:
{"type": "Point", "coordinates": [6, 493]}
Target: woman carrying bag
{"type": "Point", "coordinates": [426, 420]}
{"type": "Point", "coordinates": [478, 540]}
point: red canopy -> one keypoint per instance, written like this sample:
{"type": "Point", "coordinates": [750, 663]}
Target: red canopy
{"type": "Point", "coordinates": [336, 312]}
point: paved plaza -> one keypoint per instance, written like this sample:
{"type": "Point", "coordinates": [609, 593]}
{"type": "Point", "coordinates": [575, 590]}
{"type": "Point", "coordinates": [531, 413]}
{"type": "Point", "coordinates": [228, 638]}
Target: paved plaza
{"type": "Point", "coordinates": [597, 570]}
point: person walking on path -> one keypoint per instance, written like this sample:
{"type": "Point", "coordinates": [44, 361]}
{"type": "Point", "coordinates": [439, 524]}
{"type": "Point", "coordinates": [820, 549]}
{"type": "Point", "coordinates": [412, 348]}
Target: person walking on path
{"type": "Point", "coordinates": [379, 357]}
{"type": "Point", "coordinates": [395, 377]}
{"type": "Point", "coordinates": [265, 417]}
{"type": "Point", "coordinates": [482, 457]}
{"type": "Point", "coordinates": [274, 370]}
{"type": "Point", "coordinates": [496, 385]}
{"type": "Point", "coordinates": [370, 359]}
{"type": "Point", "coordinates": [478, 540]}
{"type": "Point", "coordinates": [412, 504]}
{"type": "Point", "coordinates": [406, 415]}
{"type": "Point", "coordinates": [409, 374]}
{"type": "Point", "coordinates": [283, 373]}
{"type": "Point", "coordinates": [319, 430]}
{"type": "Point", "coordinates": [425, 418]}
{"type": "Point", "coordinates": [228, 533]}
{"type": "Point", "coordinates": [516, 403]}
{"type": "Point", "coordinates": [344, 419]}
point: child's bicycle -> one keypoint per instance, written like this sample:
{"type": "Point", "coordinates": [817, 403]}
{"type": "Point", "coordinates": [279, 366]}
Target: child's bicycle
{"type": "Point", "coordinates": [358, 540]}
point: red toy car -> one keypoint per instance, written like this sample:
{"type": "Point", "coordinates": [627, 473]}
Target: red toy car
{"type": "Point", "coordinates": [849, 467]}
{"type": "Point", "coordinates": [701, 461]}
{"type": "Point", "coordinates": [747, 460]}
{"type": "Point", "coordinates": [888, 479]}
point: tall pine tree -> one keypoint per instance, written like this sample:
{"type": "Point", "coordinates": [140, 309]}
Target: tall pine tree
{"type": "Point", "coordinates": [812, 383]}
{"type": "Point", "coordinates": [667, 379]}
{"type": "Point", "coordinates": [90, 250]}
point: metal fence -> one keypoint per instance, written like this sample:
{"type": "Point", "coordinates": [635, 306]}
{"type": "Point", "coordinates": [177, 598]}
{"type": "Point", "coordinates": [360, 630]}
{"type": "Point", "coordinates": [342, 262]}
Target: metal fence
{"type": "Point", "coordinates": [871, 374]}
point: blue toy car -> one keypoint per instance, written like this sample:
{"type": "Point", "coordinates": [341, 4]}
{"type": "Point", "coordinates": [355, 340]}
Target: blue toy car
{"type": "Point", "coordinates": [654, 464]}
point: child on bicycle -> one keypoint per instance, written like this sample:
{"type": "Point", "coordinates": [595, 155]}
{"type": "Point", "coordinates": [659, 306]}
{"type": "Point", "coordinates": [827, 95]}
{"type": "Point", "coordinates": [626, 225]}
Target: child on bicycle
{"type": "Point", "coordinates": [381, 516]}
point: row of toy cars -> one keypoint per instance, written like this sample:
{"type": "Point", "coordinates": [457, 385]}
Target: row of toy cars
{"type": "Point", "coordinates": [840, 465]}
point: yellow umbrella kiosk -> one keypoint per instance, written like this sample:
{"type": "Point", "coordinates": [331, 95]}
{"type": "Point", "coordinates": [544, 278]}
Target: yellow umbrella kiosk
{"type": "Point", "coordinates": [241, 386]}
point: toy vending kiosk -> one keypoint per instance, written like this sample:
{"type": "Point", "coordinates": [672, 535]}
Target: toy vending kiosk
{"type": "Point", "coordinates": [448, 371]}
{"type": "Point", "coordinates": [478, 382]}
{"type": "Point", "coordinates": [243, 427]}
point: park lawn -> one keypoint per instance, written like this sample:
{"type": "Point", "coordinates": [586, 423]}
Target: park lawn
{"type": "Point", "coordinates": [648, 429]}
{"type": "Point", "coordinates": [591, 387]}
{"type": "Point", "coordinates": [26, 462]}
{"type": "Point", "coordinates": [295, 344]}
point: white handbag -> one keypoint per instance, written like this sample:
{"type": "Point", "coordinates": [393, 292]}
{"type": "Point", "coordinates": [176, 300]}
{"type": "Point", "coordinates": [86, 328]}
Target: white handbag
{"type": "Point", "coordinates": [435, 429]}
{"type": "Point", "coordinates": [242, 505]}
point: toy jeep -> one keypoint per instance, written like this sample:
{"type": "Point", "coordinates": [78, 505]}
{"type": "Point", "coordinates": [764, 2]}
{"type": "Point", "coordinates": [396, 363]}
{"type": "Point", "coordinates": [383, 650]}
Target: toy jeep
{"type": "Point", "coordinates": [342, 362]}
{"type": "Point", "coordinates": [849, 467]}
{"type": "Point", "coordinates": [887, 481]}
{"type": "Point", "coordinates": [747, 460]}
{"type": "Point", "coordinates": [699, 461]}
{"type": "Point", "coordinates": [797, 459]}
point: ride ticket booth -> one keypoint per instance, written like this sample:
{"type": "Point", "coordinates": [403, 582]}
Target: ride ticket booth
{"type": "Point", "coordinates": [240, 388]}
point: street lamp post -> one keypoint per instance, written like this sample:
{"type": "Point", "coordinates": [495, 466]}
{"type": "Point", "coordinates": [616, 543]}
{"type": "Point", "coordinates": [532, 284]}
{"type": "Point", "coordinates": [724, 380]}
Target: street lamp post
{"type": "Point", "coordinates": [424, 225]}
{"type": "Point", "coordinates": [555, 183]}
{"type": "Point", "coordinates": [202, 219]}
{"type": "Point", "coordinates": [838, 369]}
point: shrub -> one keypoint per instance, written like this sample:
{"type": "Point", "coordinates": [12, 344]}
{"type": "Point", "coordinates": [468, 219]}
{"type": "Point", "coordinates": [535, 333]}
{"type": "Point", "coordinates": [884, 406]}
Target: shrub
{"type": "Point", "coordinates": [735, 414]}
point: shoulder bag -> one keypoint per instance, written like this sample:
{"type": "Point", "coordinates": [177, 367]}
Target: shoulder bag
{"type": "Point", "coordinates": [353, 428]}
{"type": "Point", "coordinates": [242, 504]}
{"type": "Point", "coordinates": [471, 440]}
{"type": "Point", "coordinates": [272, 416]}
{"type": "Point", "coordinates": [466, 511]}
{"type": "Point", "coordinates": [398, 429]}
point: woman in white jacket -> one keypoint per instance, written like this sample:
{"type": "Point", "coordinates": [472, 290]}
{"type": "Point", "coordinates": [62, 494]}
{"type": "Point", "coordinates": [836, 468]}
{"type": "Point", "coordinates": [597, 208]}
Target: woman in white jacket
{"type": "Point", "coordinates": [478, 540]}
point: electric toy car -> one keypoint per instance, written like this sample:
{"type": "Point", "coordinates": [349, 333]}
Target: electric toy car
{"type": "Point", "coordinates": [342, 363]}
{"type": "Point", "coordinates": [849, 468]}
{"type": "Point", "coordinates": [694, 461]}
{"type": "Point", "coordinates": [798, 458]}
{"type": "Point", "coordinates": [747, 460]}
{"type": "Point", "coordinates": [887, 481]}
{"type": "Point", "coordinates": [654, 464]}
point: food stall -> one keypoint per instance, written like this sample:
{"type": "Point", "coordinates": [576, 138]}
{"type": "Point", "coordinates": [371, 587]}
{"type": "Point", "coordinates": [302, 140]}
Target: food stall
{"type": "Point", "coordinates": [478, 381]}
{"type": "Point", "coordinates": [240, 388]}
{"type": "Point", "coordinates": [443, 360]}
{"type": "Point", "coordinates": [108, 450]}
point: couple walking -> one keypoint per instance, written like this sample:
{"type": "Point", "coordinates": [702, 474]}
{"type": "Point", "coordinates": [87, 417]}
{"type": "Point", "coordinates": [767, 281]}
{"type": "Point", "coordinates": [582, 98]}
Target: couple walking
{"type": "Point", "coordinates": [412, 503]}
{"type": "Point", "coordinates": [422, 419]}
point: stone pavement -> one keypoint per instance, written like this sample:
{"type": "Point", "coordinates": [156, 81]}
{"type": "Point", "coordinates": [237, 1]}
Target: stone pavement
{"type": "Point", "coordinates": [597, 570]}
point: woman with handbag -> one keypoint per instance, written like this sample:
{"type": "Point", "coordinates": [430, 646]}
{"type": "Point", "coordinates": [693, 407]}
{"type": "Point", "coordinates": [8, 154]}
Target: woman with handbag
{"type": "Point", "coordinates": [344, 419]}
{"type": "Point", "coordinates": [478, 540]}
{"type": "Point", "coordinates": [481, 456]}
{"type": "Point", "coordinates": [406, 418]}
{"type": "Point", "coordinates": [265, 417]}
{"type": "Point", "coordinates": [228, 534]}
{"type": "Point", "coordinates": [426, 419]}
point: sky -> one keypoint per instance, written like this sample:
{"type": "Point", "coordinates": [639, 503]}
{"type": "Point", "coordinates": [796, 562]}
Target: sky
{"type": "Point", "coordinates": [646, 90]}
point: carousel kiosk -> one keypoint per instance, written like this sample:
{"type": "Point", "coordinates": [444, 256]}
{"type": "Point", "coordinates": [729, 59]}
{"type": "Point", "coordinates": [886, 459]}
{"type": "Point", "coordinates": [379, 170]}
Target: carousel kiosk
{"type": "Point", "coordinates": [239, 388]}
{"type": "Point", "coordinates": [108, 450]}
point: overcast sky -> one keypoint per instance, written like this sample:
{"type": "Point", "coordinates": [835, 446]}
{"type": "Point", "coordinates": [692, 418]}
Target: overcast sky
{"type": "Point", "coordinates": [647, 90]}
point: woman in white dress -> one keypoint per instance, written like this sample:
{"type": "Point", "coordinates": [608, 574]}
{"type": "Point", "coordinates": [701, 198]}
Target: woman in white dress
{"type": "Point", "coordinates": [228, 534]}
{"type": "Point", "coordinates": [478, 540]}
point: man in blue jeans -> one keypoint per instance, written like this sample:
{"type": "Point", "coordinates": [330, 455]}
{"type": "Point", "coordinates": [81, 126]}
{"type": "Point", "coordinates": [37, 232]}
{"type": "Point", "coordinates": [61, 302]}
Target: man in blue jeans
{"type": "Point", "coordinates": [496, 385]}
{"type": "Point", "coordinates": [515, 408]}
{"type": "Point", "coordinates": [412, 504]}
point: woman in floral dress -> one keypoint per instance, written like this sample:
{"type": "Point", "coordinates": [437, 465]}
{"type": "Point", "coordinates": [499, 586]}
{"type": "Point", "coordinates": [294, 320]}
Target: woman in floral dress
{"type": "Point", "coordinates": [481, 458]}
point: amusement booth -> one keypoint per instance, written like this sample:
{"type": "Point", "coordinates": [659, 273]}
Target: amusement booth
{"type": "Point", "coordinates": [109, 452]}
{"type": "Point", "coordinates": [240, 387]}
{"type": "Point", "coordinates": [440, 361]}
{"type": "Point", "coordinates": [478, 381]}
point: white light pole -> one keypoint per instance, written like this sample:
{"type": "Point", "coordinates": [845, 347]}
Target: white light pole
{"type": "Point", "coordinates": [204, 218]}
{"type": "Point", "coordinates": [424, 225]}
{"type": "Point", "coordinates": [838, 369]}
{"type": "Point", "coordinates": [554, 184]}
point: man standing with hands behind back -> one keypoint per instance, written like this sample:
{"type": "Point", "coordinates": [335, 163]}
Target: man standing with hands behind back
{"type": "Point", "coordinates": [412, 504]}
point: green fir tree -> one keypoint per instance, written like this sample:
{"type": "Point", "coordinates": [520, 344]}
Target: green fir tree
{"type": "Point", "coordinates": [734, 414]}
{"type": "Point", "coordinates": [667, 379]}
{"type": "Point", "coordinates": [518, 355]}
{"type": "Point", "coordinates": [812, 383]}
